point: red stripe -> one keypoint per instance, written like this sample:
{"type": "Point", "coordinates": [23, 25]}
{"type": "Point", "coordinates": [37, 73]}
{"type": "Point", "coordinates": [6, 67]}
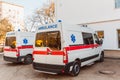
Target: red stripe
{"type": "Point", "coordinates": [20, 47]}
{"type": "Point", "coordinates": [57, 52]}
{"type": "Point", "coordinates": [13, 50]}
{"type": "Point", "coordinates": [40, 52]}
{"type": "Point", "coordinates": [47, 53]}
{"type": "Point", "coordinates": [67, 49]}
{"type": "Point", "coordinates": [24, 47]}
{"type": "Point", "coordinates": [81, 47]}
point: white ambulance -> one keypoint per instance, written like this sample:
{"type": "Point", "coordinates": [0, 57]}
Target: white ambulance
{"type": "Point", "coordinates": [63, 48]}
{"type": "Point", "coordinates": [19, 47]}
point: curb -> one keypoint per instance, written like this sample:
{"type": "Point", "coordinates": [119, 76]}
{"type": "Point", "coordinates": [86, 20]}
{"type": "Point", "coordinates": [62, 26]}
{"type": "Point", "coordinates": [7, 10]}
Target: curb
{"type": "Point", "coordinates": [115, 58]}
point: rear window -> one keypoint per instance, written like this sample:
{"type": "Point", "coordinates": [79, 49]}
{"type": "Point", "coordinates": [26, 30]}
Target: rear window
{"type": "Point", "coordinates": [10, 41]}
{"type": "Point", "coordinates": [48, 39]}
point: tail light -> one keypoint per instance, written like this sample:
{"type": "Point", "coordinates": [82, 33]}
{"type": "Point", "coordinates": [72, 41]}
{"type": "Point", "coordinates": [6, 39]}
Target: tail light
{"type": "Point", "coordinates": [65, 56]}
{"type": "Point", "coordinates": [33, 55]}
{"type": "Point", "coordinates": [32, 58]}
{"type": "Point", "coordinates": [17, 54]}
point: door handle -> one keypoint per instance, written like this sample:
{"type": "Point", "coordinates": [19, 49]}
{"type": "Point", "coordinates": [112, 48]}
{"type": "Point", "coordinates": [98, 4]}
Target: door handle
{"type": "Point", "coordinates": [49, 53]}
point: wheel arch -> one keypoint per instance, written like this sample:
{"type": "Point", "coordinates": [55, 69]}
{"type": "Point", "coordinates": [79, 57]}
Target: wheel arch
{"type": "Point", "coordinates": [75, 71]}
{"type": "Point", "coordinates": [78, 60]}
{"type": "Point", "coordinates": [28, 59]}
{"type": "Point", "coordinates": [29, 54]}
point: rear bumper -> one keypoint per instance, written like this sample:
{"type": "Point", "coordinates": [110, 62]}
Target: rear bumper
{"type": "Point", "coordinates": [48, 68]}
{"type": "Point", "coordinates": [12, 59]}
{"type": "Point", "coordinates": [53, 69]}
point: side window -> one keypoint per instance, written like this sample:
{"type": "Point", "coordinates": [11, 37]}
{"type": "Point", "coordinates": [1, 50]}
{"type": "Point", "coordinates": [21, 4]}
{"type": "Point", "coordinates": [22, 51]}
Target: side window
{"type": "Point", "coordinates": [97, 40]}
{"type": "Point", "coordinates": [96, 37]}
{"type": "Point", "coordinates": [87, 38]}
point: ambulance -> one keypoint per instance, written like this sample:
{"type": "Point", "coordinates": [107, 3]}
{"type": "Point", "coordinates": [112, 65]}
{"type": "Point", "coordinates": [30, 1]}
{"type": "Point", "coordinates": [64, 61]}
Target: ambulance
{"type": "Point", "coordinates": [61, 48]}
{"type": "Point", "coordinates": [19, 47]}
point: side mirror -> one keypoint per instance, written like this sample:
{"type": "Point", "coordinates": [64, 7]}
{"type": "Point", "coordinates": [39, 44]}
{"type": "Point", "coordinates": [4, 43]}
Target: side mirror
{"type": "Point", "coordinates": [99, 41]}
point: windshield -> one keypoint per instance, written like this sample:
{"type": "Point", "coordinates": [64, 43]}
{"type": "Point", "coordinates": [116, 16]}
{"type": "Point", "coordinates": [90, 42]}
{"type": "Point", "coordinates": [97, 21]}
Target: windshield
{"type": "Point", "coordinates": [49, 39]}
{"type": "Point", "coordinates": [10, 41]}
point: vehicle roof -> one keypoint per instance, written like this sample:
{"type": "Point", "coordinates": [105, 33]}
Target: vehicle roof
{"type": "Point", "coordinates": [72, 27]}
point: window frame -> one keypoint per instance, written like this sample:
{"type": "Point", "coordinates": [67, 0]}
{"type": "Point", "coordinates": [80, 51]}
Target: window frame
{"type": "Point", "coordinates": [88, 42]}
{"type": "Point", "coordinates": [117, 4]}
{"type": "Point", "coordinates": [10, 41]}
{"type": "Point", "coordinates": [47, 38]}
{"type": "Point", "coordinates": [102, 35]}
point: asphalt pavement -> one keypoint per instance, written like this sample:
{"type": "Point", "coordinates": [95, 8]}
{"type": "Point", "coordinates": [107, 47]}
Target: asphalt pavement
{"type": "Point", "coordinates": [12, 71]}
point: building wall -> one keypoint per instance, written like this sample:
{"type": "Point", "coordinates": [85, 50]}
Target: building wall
{"type": "Point", "coordinates": [14, 13]}
{"type": "Point", "coordinates": [110, 40]}
{"type": "Point", "coordinates": [100, 15]}
{"type": "Point", "coordinates": [86, 11]}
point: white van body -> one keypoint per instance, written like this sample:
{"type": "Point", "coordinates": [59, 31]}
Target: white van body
{"type": "Point", "coordinates": [65, 48]}
{"type": "Point", "coordinates": [19, 47]}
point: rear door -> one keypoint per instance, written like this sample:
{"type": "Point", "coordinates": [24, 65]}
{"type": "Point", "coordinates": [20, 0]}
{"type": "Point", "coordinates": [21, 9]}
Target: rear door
{"type": "Point", "coordinates": [10, 49]}
{"type": "Point", "coordinates": [48, 48]}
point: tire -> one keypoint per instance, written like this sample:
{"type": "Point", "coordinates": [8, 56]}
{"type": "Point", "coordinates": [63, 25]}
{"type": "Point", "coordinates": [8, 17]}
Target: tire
{"type": "Point", "coordinates": [76, 69]}
{"type": "Point", "coordinates": [101, 57]}
{"type": "Point", "coordinates": [28, 59]}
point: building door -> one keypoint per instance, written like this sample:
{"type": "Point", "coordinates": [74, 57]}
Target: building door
{"type": "Point", "coordinates": [118, 32]}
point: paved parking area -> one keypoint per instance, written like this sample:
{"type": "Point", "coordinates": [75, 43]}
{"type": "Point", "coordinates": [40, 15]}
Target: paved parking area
{"type": "Point", "coordinates": [10, 71]}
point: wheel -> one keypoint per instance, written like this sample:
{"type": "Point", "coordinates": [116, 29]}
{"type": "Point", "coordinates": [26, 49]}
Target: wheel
{"type": "Point", "coordinates": [101, 57]}
{"type": "Point", "coordinates": [76, 69]}
{"type": "Point", "coordinates": [28, 59]}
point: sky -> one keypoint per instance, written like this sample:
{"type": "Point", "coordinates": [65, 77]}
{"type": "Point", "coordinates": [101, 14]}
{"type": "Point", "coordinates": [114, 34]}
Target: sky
{"type": "Point", "coordinates": [29, 5]}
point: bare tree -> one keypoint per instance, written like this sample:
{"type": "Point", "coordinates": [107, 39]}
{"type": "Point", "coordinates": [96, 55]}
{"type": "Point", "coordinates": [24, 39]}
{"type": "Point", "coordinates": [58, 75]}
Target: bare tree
{"type": "Point", "coordinates": [41, 16]}
{"type": "Point", "coordinates": [5, 27]}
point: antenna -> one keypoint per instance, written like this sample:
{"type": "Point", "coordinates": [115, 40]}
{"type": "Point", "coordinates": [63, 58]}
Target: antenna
{"type": "Point", "coordinates": [18, 29]}
{"type": "Point", "coordinates": [84, 25]}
